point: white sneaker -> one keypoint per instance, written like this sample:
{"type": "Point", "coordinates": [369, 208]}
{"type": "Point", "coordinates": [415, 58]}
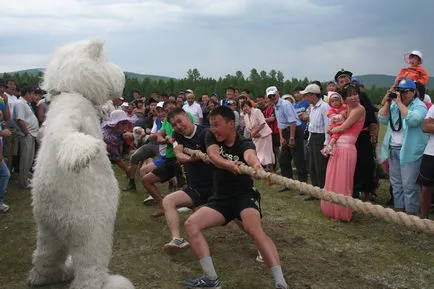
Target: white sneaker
{"type": "Point", "coordinates": [176, 245]}
{"type": "Point", "coordinates": [183, 210]}
{"type": "Point", "coordinates": [259, 258]}
{"type": "Point", "coordinates": [4, 208]}
{"type": "Point", "coordinates": [148, 200]}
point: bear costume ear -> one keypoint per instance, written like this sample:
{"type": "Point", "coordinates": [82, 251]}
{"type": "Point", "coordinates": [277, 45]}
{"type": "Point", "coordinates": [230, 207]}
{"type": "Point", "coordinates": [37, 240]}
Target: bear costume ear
{"type": "Point", "coordinates": [95, 49]}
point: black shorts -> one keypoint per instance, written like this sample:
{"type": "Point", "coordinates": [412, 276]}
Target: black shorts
{"type": "Point", "coordinates": [199, 196]}
{"type": "Point", "coordinates": [170, 168]}
{"type": "Point", "coordinates": [426, 174]}
{"type": "Point", "coordinates": [231, 208]}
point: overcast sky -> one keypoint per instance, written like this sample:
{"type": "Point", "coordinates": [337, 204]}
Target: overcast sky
{"type": "Point", "coordinates": [312, 38]}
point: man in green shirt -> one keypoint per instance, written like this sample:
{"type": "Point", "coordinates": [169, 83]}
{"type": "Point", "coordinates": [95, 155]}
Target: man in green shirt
{"type": "Point", "coordinates": [170, 167]}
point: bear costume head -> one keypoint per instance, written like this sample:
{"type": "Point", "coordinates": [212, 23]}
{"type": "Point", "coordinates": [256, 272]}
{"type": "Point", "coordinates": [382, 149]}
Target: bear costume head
{"type": "Point", "coordinates": [82, 67]}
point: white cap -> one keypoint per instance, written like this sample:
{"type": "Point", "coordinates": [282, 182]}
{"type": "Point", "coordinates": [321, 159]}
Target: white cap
{"type": "Point", "coordinates": [271, 90]}
{"type": "Point", "coordinates": [311, 88]}
{"type": "Point", "coordinates": [160, 104]}
{"type": "Point", "coordinates": [125, 104]}
{"type": "Point", "coordinates": [188, 91]}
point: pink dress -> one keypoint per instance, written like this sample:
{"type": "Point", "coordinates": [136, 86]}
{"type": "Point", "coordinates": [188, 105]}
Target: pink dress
{"type": "Point", "coordinates": [340, 172]}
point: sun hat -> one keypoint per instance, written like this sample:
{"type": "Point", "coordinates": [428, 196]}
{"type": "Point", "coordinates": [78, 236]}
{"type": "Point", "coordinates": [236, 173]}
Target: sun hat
{"type": "Point", "coordinates": [116, 116]}
{"type": "Point", "coordinates": [414, 52]}
{"type": "Point", "coordinates": [289, 98]}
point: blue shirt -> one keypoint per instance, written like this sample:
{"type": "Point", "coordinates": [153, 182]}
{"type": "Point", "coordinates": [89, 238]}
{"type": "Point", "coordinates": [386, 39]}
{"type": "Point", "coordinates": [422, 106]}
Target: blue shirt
{"type": "Point", "coordinates": [285, 114]}
{"type": "Point", "coordinates": [300, 107]}
{"type": "Point", "coordinates": [414, 140]}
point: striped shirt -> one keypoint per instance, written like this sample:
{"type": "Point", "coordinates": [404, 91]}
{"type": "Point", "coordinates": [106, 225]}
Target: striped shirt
{"type": "Point", "coordinates": [318, 120]}
{"type": "Point", "coordinates": [285, 114]}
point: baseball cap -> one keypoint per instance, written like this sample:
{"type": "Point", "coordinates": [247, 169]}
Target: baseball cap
{"type": "Point", "coordinates": [271, 90]}
{"type": "Point", "coordinates": [288, 97]}
{"type": "Point", "coordinates": [406, 84]}
{"type": "Point", "coordinates": [160, 104]}
{"type": "Point", "coordinates": [188, 91]}
{"type": "Point", "coordinates": [230, 102]}
{"type": "Point", "coordinates": [311, 88]}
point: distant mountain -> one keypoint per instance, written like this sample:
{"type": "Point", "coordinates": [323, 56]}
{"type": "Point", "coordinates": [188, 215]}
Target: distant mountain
{"type": "Point", "coordinates": [384, 81]}
{"type": "Point", "coordinates": [140, 77]}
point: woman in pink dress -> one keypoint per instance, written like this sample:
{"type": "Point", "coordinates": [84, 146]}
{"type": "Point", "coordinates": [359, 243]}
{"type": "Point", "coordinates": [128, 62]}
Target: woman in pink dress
{"type": "Point", "coordinates": [260, 133]}
{"type": "Point", "coordinates": [342, 164]}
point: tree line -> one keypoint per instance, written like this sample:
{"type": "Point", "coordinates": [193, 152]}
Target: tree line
{"type": "Point", "coordinates": [256, 82]}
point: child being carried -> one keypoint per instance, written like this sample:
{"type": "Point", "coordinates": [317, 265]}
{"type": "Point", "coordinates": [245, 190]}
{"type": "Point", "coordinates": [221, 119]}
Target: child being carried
{"type": "Point", "coordinates": [337, 114]}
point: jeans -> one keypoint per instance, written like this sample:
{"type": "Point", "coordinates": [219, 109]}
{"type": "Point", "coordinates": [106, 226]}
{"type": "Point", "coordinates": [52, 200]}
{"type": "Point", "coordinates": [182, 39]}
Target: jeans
{"type": "Point", "coordinates": [4, 179]}
{"type": "Point", "coordinates": [403, 179]}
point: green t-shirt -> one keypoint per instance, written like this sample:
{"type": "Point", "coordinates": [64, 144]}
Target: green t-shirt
{"type": "Point", "coordinates": [168, 130]}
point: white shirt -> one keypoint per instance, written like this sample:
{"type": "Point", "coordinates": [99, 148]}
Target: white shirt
{"type": "Point", "coordinates": [12, 99]}
{"type": "Point", "coordinates": [195, 110]}
{"type": "Point", "coordinates": [23, 111]}
{"type": "Point", "coordinates": [429, 149]}
{"type": "Point", "coordinates": [318, 120]}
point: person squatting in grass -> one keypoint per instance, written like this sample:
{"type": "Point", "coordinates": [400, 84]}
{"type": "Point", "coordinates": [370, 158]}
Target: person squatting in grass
{"type": "Point", "coordinates": [234, 197]}
{"type": "Point", "coordinates": [169, 168]}
{"type": "Point", "coordinates": [199, 183]}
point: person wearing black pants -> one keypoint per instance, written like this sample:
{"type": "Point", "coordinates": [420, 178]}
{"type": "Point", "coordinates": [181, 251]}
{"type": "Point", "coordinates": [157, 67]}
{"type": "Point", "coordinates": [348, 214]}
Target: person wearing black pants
{"type": "Point", "coordinates": [291, 136]}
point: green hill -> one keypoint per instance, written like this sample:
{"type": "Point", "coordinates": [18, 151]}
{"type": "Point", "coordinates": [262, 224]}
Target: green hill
{"type": "Point", "coordinates": [140, 77]}
{"type": "Point", "coordinates": [384, 81]}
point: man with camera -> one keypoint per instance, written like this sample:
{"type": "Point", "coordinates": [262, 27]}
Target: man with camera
{"type": "Point", "coordinates": [404, 142]}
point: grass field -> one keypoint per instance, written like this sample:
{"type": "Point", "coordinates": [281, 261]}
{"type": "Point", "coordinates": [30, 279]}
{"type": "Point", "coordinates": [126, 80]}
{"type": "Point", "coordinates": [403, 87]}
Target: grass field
{"type": "Point", "coordinates": [315, 252]}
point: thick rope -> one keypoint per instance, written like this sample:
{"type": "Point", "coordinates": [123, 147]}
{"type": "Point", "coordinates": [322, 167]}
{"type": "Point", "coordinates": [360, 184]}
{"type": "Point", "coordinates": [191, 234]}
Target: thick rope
{"type": "Point", "coordinates": [387, 214]}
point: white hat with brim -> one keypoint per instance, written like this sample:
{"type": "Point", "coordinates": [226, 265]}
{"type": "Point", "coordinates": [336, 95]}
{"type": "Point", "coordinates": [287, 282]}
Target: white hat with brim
{"type": "Point", "coordinates": [311, 88]}
{"type": "Point", "coordinates": [414, 52]}
{"type": "Point", "coordinates": [116, 116]}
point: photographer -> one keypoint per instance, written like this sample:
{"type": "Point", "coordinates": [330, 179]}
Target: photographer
{"type": "Point", "coordinates": [404, 142]}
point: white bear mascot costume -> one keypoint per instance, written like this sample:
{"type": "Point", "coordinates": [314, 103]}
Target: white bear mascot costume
{"type": "Point", "coordinates": [75, 192]}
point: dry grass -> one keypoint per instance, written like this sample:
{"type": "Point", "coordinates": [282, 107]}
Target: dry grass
{"type": "Point", "coordinates": [315, 252]}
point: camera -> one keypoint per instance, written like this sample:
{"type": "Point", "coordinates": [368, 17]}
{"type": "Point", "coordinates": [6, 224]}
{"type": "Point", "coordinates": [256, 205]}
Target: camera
{"type": "Point", "coordinates": [393, 95]}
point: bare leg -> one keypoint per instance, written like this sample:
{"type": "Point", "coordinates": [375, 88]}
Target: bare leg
{"type": "Point", "coordinates": [202, 219]}
{"type": "Point", "coordinates": [149, 181]}
{"type": "Point", "coordinates": [425, 201]}
{"type": "Point", "coordinates": [170, 203]}
{"type": "Point", "coordinates": [252, 224]}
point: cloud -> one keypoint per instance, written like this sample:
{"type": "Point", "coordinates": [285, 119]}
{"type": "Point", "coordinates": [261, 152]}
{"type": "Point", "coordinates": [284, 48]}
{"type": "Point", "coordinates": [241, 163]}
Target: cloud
{"type": "Point", "coordinates": [301, 38]}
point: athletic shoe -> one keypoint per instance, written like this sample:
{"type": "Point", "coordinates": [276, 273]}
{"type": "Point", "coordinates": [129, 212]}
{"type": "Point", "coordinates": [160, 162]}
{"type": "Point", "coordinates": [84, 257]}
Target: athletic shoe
{"type": "Point", "coordinates": [149, 200]}
{"type": "Point", "coordinates": [130, 188]}
{"type": "Point", "coordinates": [176, 245]}
{"type": "Point", "coordinates": [202, 283]}
{"type": "Point", "coordinates": [4, 208]}
{"type": "Point", "coordinates": [183, 210]}
{"type": "Point", "coordinates": [259, 258]}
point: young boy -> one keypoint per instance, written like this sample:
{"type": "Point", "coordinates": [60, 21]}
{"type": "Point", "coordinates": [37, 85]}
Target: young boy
{"type": "Point", "coordinates": [234, 198]}
{"type": "Point", "coordinates": [415, 71]}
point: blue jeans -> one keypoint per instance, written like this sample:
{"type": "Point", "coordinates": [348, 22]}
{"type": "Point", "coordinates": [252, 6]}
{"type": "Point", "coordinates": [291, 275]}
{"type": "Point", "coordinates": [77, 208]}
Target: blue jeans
{"type": "Point", "coordinates": [403, 179]}
{"type": "Point", "coordinates": [4, 179]}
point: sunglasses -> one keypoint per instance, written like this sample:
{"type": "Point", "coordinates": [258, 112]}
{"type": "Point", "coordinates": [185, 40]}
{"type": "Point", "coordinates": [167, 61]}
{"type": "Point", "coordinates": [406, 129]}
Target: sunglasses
{"type": "Point", "coordinates": [271, 95]}
{"type": "Point", "coordinates": [404, 91]}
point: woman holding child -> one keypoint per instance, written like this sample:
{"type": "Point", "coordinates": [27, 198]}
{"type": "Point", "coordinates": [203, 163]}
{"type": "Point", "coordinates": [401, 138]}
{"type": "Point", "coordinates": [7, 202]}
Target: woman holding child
{"type": "Point", "coordinates": [342, 163]}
